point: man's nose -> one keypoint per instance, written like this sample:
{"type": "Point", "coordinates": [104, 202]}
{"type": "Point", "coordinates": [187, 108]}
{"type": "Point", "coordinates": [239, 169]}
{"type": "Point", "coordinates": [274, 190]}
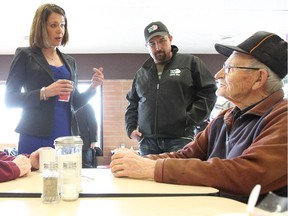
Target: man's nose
{"type": "Point", "coordinates": [157, 46]}
{"type": "Point", "coordinates": [219, 74]}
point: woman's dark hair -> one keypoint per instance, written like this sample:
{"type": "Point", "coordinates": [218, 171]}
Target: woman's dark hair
{"type": "Point", "coordinates": [38, 33]}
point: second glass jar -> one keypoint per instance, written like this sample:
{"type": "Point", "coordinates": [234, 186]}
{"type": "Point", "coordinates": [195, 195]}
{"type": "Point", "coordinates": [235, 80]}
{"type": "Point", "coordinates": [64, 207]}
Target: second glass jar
{"type": "Point", "coordinates": [69, 181]}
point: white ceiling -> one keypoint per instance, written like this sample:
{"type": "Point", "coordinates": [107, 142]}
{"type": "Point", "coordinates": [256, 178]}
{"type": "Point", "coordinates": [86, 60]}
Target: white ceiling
{"type": "Point", "coordinates": [116, 26]}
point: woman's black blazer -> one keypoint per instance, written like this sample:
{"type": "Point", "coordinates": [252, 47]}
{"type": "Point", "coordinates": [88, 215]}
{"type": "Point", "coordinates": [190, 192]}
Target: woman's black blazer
{"type": "Point", "coordinates": [29, 72]}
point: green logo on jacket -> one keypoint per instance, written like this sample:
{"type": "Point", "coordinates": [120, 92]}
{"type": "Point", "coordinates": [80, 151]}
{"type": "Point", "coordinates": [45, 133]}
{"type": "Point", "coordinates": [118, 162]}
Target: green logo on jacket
{"type": "Point", "coordinates": [175, 72]}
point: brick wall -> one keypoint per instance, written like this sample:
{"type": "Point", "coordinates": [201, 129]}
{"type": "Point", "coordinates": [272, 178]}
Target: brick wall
{"type": "Point", "coordinates": [114, 106]}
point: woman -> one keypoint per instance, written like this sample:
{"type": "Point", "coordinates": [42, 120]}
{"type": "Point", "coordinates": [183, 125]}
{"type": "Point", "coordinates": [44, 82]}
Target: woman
{"type": "Point", "coordinates": [38, 75]}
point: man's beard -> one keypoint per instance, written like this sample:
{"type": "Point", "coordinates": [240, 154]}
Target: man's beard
{"type": "Point", "coordinates": [161, 57]}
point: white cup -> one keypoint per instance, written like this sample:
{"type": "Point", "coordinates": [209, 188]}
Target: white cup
{"type": "Point", "coordinates": [46, 155]}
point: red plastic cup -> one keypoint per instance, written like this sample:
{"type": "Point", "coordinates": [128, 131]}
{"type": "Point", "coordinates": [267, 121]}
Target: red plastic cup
{"type": "Point", "coordinates": [64, 97]}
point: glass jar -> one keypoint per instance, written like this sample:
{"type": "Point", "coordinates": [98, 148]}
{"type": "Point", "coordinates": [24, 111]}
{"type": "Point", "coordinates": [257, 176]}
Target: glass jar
{"type": "Point", "coordinates": [69, 148]}
{"type": "Point", "coordinates": [69, 181]}
{"type": "Point", "coordinates": [50, 191]}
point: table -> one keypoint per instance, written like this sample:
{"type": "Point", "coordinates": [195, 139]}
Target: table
{"type": "Point", "coordinates": [102, 183]}
{"type": "Point", "coordinates": [127, 206]}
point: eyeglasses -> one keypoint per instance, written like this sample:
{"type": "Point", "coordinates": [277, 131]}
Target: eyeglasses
{"type": "Point", "coordinates": [162, 41]}
{"type": "Point", "coordinates": [227, 68]}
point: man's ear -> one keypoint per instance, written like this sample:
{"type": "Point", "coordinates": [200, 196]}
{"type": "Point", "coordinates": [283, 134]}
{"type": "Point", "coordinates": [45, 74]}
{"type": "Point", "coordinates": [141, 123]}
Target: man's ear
{"type": "Point", "coordinates": [261, 80]}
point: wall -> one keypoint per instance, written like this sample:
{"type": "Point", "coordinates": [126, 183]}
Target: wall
{"type": "Point", "coordinates": [116, 66]}
{"type": "Point", "coordinates": [114, 105]}
{"type": "Point", "coordinates": [119, 70]}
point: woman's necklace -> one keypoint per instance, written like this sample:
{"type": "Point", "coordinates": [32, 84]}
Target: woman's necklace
{"type": "Point", "coordinates": [51, 58]}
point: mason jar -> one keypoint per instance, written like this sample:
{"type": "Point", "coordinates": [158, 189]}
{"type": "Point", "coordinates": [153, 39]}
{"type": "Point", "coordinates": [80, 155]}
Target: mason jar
{"type": "Point", "coordinates": [69, 148]}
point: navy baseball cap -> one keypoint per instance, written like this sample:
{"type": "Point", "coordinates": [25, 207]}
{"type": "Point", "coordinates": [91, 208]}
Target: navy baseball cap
{"type": "Point", "coordinates": [267, 47]}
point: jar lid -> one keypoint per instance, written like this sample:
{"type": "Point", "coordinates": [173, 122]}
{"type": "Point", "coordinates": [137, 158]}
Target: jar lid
{"type": "Point", "coordinates": [68, 140]}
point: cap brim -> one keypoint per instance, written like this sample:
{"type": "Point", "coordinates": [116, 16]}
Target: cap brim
{"type": "Point", "coordinates": [228, 50]}
{"type": "Point", "coordinates": [156, 34]}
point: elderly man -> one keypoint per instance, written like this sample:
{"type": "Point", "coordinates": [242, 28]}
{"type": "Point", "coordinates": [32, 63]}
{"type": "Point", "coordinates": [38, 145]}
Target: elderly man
{"type": "Point", "coordinates": [244, 145]}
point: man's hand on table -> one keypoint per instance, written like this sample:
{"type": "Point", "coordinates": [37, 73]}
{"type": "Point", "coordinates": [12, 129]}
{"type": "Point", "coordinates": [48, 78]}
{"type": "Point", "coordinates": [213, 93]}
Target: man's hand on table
{"type": "Point", "coordinates": [127, 163]}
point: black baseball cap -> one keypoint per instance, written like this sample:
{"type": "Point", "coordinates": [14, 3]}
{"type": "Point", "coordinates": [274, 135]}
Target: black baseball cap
{"type": "Point", "coordinates": [154, 29]}
{"type": "Point", "coordinates": [267, 47]}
